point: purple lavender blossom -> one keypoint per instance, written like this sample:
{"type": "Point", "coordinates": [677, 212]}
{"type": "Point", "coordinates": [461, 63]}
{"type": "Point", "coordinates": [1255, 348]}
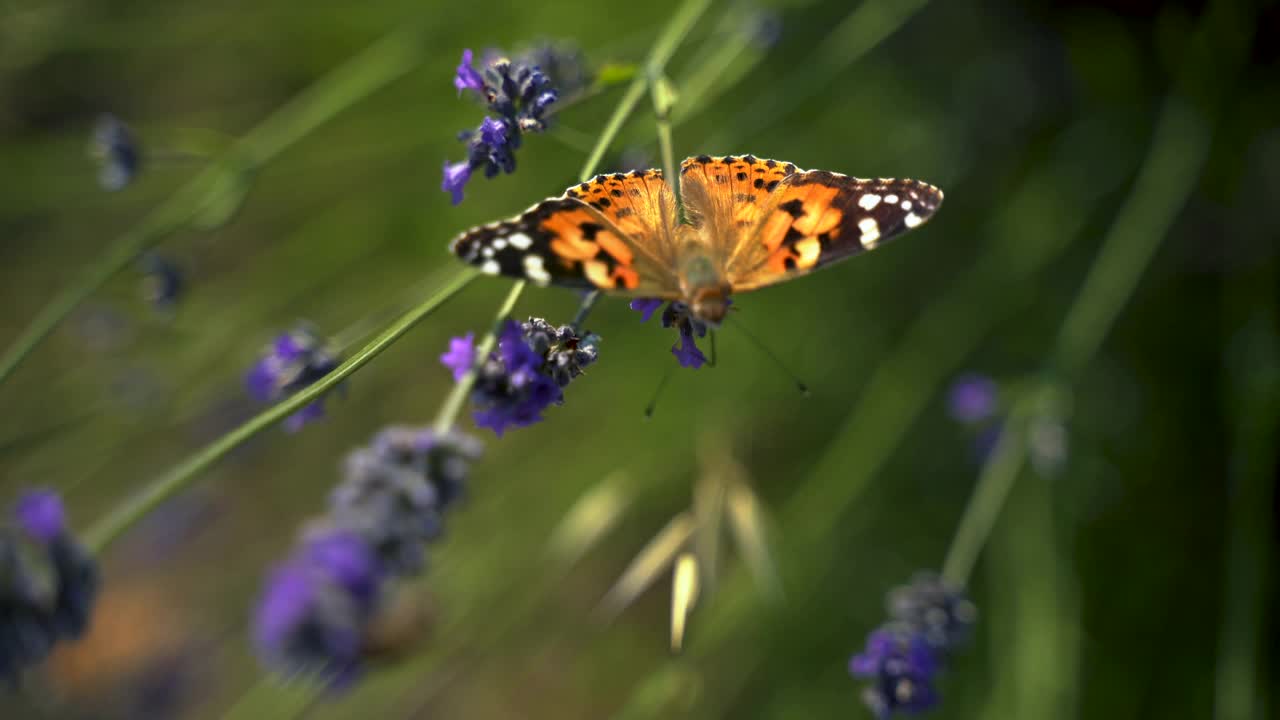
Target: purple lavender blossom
{"type": "Point", "coordinates": [687, 352]}
{"type": "Point", "coordinates": [455, 180]}
{"type": "Point", "coordinates": [930, 619]}
{"type": "Point", "coordinates": [116, 149]}
{"type": "Point", "coordinates": [972, 398]}
{"type": "Point", "coordinates": [519, 95]}
{"type": "Point", "coordinates": [293, 361]}
{"type": "Point", "coordinates": [534, 362]}
{"type": "Point", "coordinates": [677, 315]}
{"type": "Point", "coordinates": [646, 307]}
{"type": "Point", "coordinates": [466, 77]}
{"type": "Point", "coordinates": [47, 592]}
{"type": "Point", "coordinates": [40, 515]}
{"type": "Point", "coordinates": [461, 356]}
{"type": "Point", "coordinates": [901, 667]}
{"type": "Point", "coordinates": [308, 625]}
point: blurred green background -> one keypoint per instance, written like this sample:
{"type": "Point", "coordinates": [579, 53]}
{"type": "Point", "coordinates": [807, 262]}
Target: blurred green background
{"type": "Point", "coordinates": [1135, 581]}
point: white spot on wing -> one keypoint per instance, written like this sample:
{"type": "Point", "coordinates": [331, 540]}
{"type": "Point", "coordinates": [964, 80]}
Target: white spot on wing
{"type": "Point", "coordinates": [486, 252]}
{"type": "Point", "coordinates": [906, 204]}
{"type": "Point", "coordinates": [490, 267]}
{"type": "Point", "coordinates": [499, 243]}
{"type": "Point", "coordinates": [870, 231]}
{"type": "Point", "coordinates": [891, 199]}
{"type": "Point", "coordinates": [520, 241]}
{"type": "Point", "coordinates": [912, 220]}
{"type": "Point", "coordinates": [869, 201]}
{"type": "Point", "coordinates": [535, 270]}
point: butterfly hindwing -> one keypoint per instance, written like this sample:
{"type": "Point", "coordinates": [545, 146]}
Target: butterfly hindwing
{"type": "Point", "coordinates": [815, 218]}
{"type": "Point", "coordinates": [565, 242]}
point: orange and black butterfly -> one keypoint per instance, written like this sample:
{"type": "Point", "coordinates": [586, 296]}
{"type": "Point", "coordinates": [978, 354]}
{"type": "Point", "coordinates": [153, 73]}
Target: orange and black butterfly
{"type": "Point", "coordinates": [750, 223]}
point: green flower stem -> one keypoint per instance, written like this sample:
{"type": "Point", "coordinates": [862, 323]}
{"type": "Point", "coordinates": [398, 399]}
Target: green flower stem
{"type": "Point", "coordinates": [213, 194]}
{"type": "Point", "coordinates": [1251, 374]}
{"type": "Point", "coordinates": [663, 100]}
{"type": "Point", "coordinates": [1166, 179]}
{"type": "Point", "coordinates": [672, 35]}
{"type": "Point", "coordinates": [109, 528]}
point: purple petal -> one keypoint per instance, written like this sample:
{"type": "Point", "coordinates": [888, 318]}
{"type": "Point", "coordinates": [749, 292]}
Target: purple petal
{"type": "Point", "coordinates": [40, 515]}
{"type": "Point", "coordinates": [296, 421]}
{"type": "Point", "coordinates": [493, 132]}
{"type": "Point", "coordinates": [864, 665]}
{"type": "Point", "coordinates": [646, 307]}
{"type": "Point", "coordinates": [972, 398]}
{"type": "Point", "coordinates": [466, 77]}
{"type": "Point", "coordinates": [456, 176]}
{"type": "Point", "coordinates": [461, 355]}
{"type": "Point", "coordinates": [688, 353]}
{"type": "Point", "coordinates": [348, 560]}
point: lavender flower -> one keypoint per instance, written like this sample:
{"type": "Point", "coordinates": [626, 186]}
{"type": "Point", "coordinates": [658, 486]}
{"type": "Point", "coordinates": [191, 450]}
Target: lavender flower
{"type": "Point", "coordinates": [395, 491]}
{"type": "Point", "coordinates": [677, 315]}
{"type": "Point", "coordinates": [319, 608]}
{"type": "Point", "coordinates": [902, 658]}
{"type": "Point", "coordinates": [520, 95]}
{"type": "Point", "coordinates": [52, 601]}
{"type": "Point", "coordinates": [292, 362]}
{"type": "Point", "coordinates": [461, 355]}
{"type": "Point", "coordinates": [40, 515]}
{"type": "Point", "coordinates": [162, 281]}
{"type": "Point", "coordinates": [972, 398]}
{"type": "Point", "coordinates": [535, 361]}
{"type": "Point", "coordinates": [309, 625]}
{"type": "Point", "coordinates": [116, 150]}
{"type": "Point", "coordinates": [901, 666]}
{"type": "Point", "coordinates": [466, 77]}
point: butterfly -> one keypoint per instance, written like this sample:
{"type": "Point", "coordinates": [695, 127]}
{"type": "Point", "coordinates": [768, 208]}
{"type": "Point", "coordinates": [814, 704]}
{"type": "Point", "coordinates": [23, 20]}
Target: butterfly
{"type": "Point", "coordinates": [748, 223]}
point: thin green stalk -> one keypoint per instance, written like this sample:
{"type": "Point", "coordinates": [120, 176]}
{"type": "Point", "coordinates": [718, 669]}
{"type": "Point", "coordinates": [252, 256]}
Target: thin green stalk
{"type": "Point", "coordinates": [109, 528]}
{"type": "Point", "coordinates": [1167, 177]}
{"type": "Point", "coordinates": [675, 31]}
{"type": "Point", "coordinates": [663, 99]}
{"type": "Point", "coordinates": [999, 473]}
{"type": "Point", "coordinates": [1178, 150]}
{"type": "Point", "coordinates": [213, 194]}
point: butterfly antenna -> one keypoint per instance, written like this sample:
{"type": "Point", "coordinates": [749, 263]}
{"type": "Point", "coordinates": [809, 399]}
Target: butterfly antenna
{"type": "Point", "coordinates": [653, 401]}
{"type": "Point", "coordinates": [800, 385]}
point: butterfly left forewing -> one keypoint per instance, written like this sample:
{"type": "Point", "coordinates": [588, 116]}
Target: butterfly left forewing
{"type": "Point", "coordinates": [816, 218]}
{"type": "Point", "coordinates": [565, 242]}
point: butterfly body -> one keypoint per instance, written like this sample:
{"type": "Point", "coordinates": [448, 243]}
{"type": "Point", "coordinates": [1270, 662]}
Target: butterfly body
{"type": "Point", "coordinates": [749, 223]}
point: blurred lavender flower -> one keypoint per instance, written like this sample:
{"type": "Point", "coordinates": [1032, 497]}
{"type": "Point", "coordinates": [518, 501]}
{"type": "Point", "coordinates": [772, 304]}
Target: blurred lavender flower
{"type": "Point", "coordinates": [307, 624]}
{"type": "Point", "coordinates": [563, 63]}
{"type": "Point", "coordinates": [319, 607]}
{"type": "Point", "coordinates": [972, 398]}
{"type": "Point", "coordinates": [395, 491]}
{"type": "Point", "coordinates": [40, 515]}
{"type": "Point", "coordinates": [116, 150]}
{"type": "Point", "coordinates": [292, 362]}
{"type": "Point", "coordinates": [461, 355]}
{"type": "Point", "coordinates": [677, 315]}
{"type": "Point", "coordinates": [42, 605]}
{"type": "Point", "coordinates": [520, 95]}
{"type": "Point", "coordinates": [162, 281]}
{"type": "Point", "coordinates": [535, 361]}
{"type": "Point", "coordinates": [929, 620]}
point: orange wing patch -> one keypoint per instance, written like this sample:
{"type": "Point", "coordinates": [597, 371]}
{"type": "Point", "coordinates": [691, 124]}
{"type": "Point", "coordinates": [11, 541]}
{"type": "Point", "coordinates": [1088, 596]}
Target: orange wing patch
{"type": "Point", "coordinates": [564, 242]}
{"type": "Point", "coordinates": [728, 196]}
{"type": "Point", "coordinates": [638, 203]}
{"type": "Point", "coordinates": [816, 218]}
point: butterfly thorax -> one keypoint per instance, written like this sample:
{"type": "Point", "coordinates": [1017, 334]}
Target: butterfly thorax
{"type": "Point", "coordinates": [702, 282]}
